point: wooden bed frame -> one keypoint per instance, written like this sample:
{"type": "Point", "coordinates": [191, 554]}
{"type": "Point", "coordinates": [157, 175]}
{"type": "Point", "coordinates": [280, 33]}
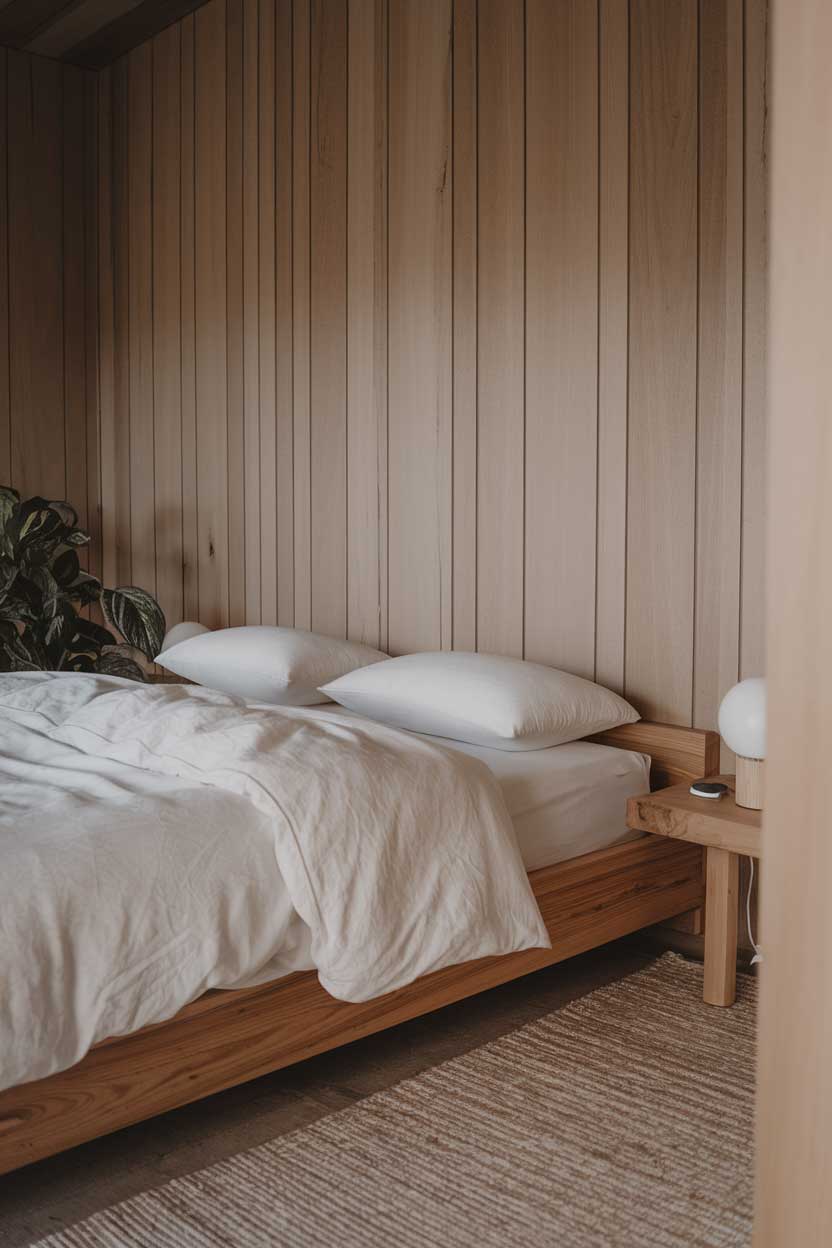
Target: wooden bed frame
{"type": "Point", "coordinates": [228, 1037]}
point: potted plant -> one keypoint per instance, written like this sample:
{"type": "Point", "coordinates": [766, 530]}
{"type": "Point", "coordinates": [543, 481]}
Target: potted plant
{"type": "Point", "coordinates": [43, 588]}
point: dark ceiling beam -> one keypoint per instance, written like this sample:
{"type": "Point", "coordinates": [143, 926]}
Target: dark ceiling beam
{"type": "Point", "coordinates": [110, 42]}
{"type": "Point", "coordinates": [23, 20]}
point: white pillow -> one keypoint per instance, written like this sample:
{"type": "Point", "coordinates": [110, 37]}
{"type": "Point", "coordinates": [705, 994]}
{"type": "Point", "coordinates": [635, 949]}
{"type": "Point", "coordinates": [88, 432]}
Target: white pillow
{"type": "Point", "coordinates": [507, 704]}
{"type": "Point", "coordinates": [264, 663]}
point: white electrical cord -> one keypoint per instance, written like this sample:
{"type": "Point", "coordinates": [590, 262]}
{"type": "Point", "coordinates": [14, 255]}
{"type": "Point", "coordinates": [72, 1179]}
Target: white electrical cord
{"type": "Point", "coordinates": [758, 957]}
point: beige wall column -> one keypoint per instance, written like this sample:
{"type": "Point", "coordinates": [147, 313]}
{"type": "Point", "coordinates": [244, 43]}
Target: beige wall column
{"type": "Point", "coordinates": [794, 1156]}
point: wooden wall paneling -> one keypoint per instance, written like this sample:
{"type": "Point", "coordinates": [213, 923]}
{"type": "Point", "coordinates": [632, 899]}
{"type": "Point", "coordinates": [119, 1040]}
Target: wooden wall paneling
{"type": "Point", "coordinates": [419, 439]}
{"type": "Point", "coordinates": [500, 327]}
{"type": "Point", "coordinates": [719, 384]}
{"type": "Point", "coordinates": [328, 310]}
{"type": "Point", "coordinates": [752, 631]}
{"type": "Point", "coordinates": [613, 274]}
{"type": "Point", "coordinates": [562, 327]}
{"type": "Point", "coordinates": [121, 510]}
{"type": "Point", "coordinates": [140, 317]}
{"type": "Point", "coordinates": [92, 360]}
{"type": "Point", "coordinates": [366, 315]}
{"type": "Point", "coordinates": [662, 359]}
{"type": "Point", "coordinates": [793, 1127]}
{"type": "Point", "coordinates": [35, 244]}
{"type": "Point", "coordinates": [167, 319]}
{"type": "Point", "coordinates": [73, 209]}
{"type": "Point", "coordinates": [234, 69]}
{"type": "Point", "coordinates": [190, 517]}
{"type": "Point", "coordinates": [267, 314]}
{"type": "Point", "coordinates": [5, 411]}
{"type": "Point", "coordinates": [211, 313]}
{"type": "Point", "coordinates": [301, 313]}
{"type": "Point", "coordinates": [251, 304]}
{"type": "Point", "coordinates": [284, 433]}
{"type": "Point", "coordinates": [465, 246]}
{"type": "Point", "coordinates": [106, 325]}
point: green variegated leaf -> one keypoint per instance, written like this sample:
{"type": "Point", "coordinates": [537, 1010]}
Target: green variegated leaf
{"type": "Point", "coordinates": [85, 589]}
{"type": "Point", "coordinates": [116, 663]}
{"type": "Point", "coordinates": [25, 654]}
{"type": "Point", "coordinates": [9, 500]}
{"type": "Point", "coordinates": [137, 616]}
{"type": "Point", "coordinates": [88, 634]}
{"type": "Point", "coordinates": [66, 567]}
{"type": "Point", "coordinates": [67, 513]}
{"type": "Point", "coordinates": [8, 576]}
{"type": "Point", "coordinates": [77, 538]}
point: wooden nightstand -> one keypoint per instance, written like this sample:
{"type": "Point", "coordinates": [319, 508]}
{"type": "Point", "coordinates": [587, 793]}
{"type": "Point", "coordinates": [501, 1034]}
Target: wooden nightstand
{"type": "Point", "coordinates": [727, 831]}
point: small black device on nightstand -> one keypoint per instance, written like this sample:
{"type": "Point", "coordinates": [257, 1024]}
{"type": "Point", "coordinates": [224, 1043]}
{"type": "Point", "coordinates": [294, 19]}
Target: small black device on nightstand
{"type": "Point", "coordinates": [706, 788]}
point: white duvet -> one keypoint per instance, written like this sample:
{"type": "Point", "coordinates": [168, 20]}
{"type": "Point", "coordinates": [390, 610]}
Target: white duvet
{"type": "Point", "coordinates": [156, 841]}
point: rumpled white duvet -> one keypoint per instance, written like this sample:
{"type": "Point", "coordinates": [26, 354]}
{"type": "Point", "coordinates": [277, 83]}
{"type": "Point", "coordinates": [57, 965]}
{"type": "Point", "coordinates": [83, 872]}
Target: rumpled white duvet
{"type": "Point", "coordinates": [157, 841]}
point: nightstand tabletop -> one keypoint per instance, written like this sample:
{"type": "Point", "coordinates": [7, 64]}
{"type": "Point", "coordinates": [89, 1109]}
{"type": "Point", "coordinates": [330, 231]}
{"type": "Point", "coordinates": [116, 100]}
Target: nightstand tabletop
{"type": "Point", "coordinates": [676, 813]}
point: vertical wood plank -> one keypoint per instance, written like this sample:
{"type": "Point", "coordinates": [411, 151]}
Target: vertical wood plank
{"type": "Point", "coordinates": [328, 303]}
{"type": "Point", "coordinates": [190, 506]}
{"type": "Point", "coordinates": [500, 328]}
{"type": "Point", "coordinates": [719, 389]}
{"type": "Point", "coordinates": [300, 319]}
{"type": "Point", "coordinates": [662, 368]}
{"type": "Point", "coordinates": [613, 233]}
{"type": "Point", "coordinates": [251, 301]}
{"type": "Point", "coordinates": [465, 326]}
{"type": "Point", "coordinates": [211, 347]}
{"type": "Point", "coordinates": [106, 326]}
{"type": "Point", "coordinates": [420, 329]}
{"type": "Point", "coordinates": [267, 314]}
{"type": "Point", "coordinates": [167, 320]}
{"type": "Point", "coordinates": [366, 315]}
{"type": "Point", "coordinates": [140, 333]}
{"type": "Point", "coordinates": [5, 414]}
{"type": "Point", "coordinates": [234, 307]}
{"type": "Point", "coordinates": [753, 599]}
{"type": "Point", "coordinates": [35, 241]}
{"type": "Point", "coordinates": [284, 436]}
{"type": "Point", "coordinates": [74, 283]}
{"type": "Point", "coordinates": [91, 321]}
{"type": "Point", "coordinates": [122, 570]}
{"type": "Point", "coordinates": [562, 320]}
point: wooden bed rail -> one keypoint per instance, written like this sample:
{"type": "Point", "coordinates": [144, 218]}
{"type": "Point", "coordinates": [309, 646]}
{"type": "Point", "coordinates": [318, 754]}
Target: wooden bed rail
{"type": "Point", "coordinates": [227, 1038]}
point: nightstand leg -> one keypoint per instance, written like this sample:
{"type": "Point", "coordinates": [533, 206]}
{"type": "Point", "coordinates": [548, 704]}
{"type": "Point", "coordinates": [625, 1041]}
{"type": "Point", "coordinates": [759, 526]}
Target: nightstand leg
{"type": "Point", "coordinates": [721, 901]}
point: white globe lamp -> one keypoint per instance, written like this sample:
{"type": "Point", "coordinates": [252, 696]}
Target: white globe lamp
{"type": "Point", "coordinates": [742, 726]}
{"type": "Point", "coordinates": [181, 632]}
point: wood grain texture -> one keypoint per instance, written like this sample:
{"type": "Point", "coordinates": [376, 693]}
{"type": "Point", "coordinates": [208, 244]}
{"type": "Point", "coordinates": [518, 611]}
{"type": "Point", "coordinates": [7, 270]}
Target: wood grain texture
{"type": "Point", "coordinates": [794, 1103]}
{"type": "Point", "coordinates": [419, 283]}
{"type": "Point", "coordinates": [230, 1037]}
{"type": "Point", "coordinates": [754, 449]}
{"type": "Point", "coordinates": [372, 180]}
{"type": "Point", "coordinates": [366, 318]}
{"type": "Point", "coordinates": [719, 383]}
{"type": "Point", "coordinates": [678, 755]}
{"type": "Point", "coordinates": [235, 328]}
{"type": "Point", "coordinates": [613, 331]}
{"type": "Point", "coordinates": [35, 251]}
{"type": "Point", "coordinates": [662, 380]}
{"type": "Point", "coordinates": [676, 813]}
{"type": "Point", "coordinates": [140, 362]}
{"type": "Point", "coordinates": [301, 155]}
{"type": "Point", "coordinates": [721, 898]}
{"type": "Point", "coordinates": [5, 397]}
{"type": "Point", "coordinates": [562, 327]}
{"type": "Point", "coordinates": [465, 325]}
{"type": "Point", "coordinates": [328, 313]}
{"type": "Point", "coordinates": [210, 303]}
{"type": "Point", "coordinates": [501, 343]}
{"type": "Point", "coordinates": [74, 160]}
{"type": "Point", "coordinates": [267, 311]}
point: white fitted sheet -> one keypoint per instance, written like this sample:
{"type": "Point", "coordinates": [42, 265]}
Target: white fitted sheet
{"type": "Point", "coordinates": [564, 801]}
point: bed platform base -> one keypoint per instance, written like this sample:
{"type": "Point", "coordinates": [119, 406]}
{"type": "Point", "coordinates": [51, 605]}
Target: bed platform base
{"type": "Point", "coordinates": [227, 1038]}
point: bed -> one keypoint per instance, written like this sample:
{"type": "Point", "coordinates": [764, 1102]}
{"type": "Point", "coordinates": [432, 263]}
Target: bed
{"type": "Point", "coordinates": [224, 1037]}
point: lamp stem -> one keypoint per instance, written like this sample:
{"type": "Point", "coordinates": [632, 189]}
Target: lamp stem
{"type": "Point", "coordinates": [750, 773]}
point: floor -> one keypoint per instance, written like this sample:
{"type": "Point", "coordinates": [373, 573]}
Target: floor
{"type": "Point", "coordinates": [56, 1193]}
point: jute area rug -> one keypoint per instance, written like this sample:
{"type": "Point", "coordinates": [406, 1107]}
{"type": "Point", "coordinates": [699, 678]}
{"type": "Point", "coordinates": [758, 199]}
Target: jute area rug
{"type": "Point", "coordinates": [623, 1119]}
